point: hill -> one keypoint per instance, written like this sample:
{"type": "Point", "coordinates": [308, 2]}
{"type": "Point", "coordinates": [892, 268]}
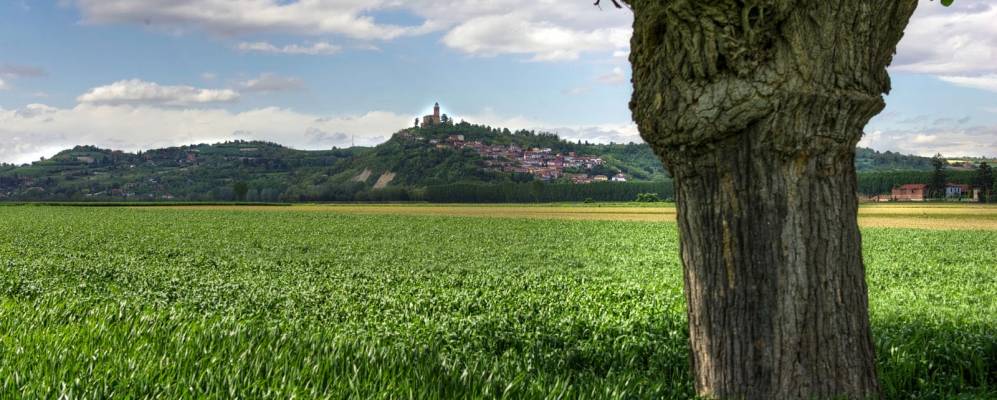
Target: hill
{"type": "Point", "coordinates": [412, 160]}
{"type": "Point", "coordinates": [445, 162]}
{"type": "Point", "coordinates": [871, 160]}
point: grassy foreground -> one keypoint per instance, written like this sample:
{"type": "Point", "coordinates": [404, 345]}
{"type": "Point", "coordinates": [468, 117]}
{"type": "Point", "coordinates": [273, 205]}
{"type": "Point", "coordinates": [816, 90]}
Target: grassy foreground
{"type": "Point", "coordinates": [219, 303]}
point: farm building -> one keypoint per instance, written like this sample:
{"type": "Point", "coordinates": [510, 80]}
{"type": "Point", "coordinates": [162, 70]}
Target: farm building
{"type": "Point", "coordinates": [956, 190]}
{"type": "Point", "coordinates": [910, 192]}
{"type": "Point", "coordinates": [919, 191]}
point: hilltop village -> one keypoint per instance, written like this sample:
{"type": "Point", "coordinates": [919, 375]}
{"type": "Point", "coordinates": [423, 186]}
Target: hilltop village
{"type": "Point", "coordinates": [543, 163]}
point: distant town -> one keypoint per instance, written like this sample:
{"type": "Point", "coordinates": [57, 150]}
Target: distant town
{"type": "Point", "coordinates": [542, 163]}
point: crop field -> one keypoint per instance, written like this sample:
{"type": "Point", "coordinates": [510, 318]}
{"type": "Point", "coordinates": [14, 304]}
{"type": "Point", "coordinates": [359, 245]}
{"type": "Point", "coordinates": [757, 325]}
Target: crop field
{"type": "Point", "coordinates": [895, 215]}
{"type": "Point", "coordinates": [420, 302]}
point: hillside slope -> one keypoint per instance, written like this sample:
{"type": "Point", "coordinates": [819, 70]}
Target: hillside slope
{"type": "Point", "coordinates": [403, 167]}
{"type": "Point", "coordinates": [413, 158]}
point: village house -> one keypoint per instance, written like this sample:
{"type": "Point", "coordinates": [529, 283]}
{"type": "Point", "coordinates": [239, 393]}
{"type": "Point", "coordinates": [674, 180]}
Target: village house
{"type": "Point", "coordinates": [956, 190]}
{"type": "Point", "coordinates": [580, 179]}
{"type": "Point", "coordinates": [910, 192]}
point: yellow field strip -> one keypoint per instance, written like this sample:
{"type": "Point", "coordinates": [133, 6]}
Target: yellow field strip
{"type": "Point", "coordinates": [926, 223]}
{"type": "Point", "coordinates": [920, 217]}
{"type": "Point", "coordinates": [969, 210]}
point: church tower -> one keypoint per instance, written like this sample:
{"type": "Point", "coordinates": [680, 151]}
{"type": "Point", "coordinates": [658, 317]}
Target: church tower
{"type": "Point", "coordinates": [432, 119]}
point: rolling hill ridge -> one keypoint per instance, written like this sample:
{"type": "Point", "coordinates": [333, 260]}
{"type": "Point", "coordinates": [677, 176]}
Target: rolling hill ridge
{"type": "Point", "coordinates": [411, 162]}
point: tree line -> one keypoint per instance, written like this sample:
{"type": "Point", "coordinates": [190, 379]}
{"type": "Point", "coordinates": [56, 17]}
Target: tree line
{"type": "Point", "coordinates": [545, 193]}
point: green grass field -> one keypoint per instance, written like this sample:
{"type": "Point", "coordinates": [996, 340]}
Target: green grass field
{"type": "Point", "coordinates": [222, 303]}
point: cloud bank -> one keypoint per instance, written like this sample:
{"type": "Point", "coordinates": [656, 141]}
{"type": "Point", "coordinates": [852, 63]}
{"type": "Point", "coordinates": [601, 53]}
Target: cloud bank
{"type": "Point", "coordinates": [136, 91]}
{"type": "Point", "coordinates": [237, 17]}
{"type": "Point", "coordinates": [956, 40]}
{"type": "Point", "coordinates": [268, 82]}
{"type": "Point", "coordinates": [39, 130]}
{"type": "Point", "coordinates": [540, 30]}
{"type": "Point", "coordinates": [315, 49]}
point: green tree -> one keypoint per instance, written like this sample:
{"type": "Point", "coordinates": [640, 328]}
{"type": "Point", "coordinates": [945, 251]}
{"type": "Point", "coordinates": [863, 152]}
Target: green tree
{"type": "Point", "coordinates": [736, 98]}
{"type": "Point", "coordinates": [647, 198]}
{"type": "Point", "coordinates": [984, 181]}
{"type": "Point", "coordinates": [240, 188]}
{"type": "Point", "coordinates": [936, 187]}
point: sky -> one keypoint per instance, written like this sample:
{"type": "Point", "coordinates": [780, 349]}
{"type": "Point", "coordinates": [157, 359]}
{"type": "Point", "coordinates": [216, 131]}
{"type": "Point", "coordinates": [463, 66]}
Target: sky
{"type": "Point", "coordinates": [317, 74]}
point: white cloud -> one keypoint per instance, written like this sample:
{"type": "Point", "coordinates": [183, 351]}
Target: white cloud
{"type": "Point", "coordinates": [230, 17]}
{"type": "Point", "coordinates": [320, 48]}
{"type": "Point", "coordinates": [541, 30]}
{"type": "Point", "coordinates": [602, 133]}
{"type": "Point", "coordinates": [951, 140]}
{"type": "Point", "coordinates": [985, 82]}
{"type": "Point", "coordinates": [39, 130]}
{"type": "Point", "coordinates": [271, 83]}
{"type": "Point", "coordinates": [35, 110]}
{"type": "Point", "coordinates": [135, 91]}
{"type": "Point", "coordinates": [869, 139]}
{"type": "Point", "coordinates": [510, 34]}
{"type": "Point", "coordinates": [3, 85]}
{"type": "Point", "coordinates": [956, 40]}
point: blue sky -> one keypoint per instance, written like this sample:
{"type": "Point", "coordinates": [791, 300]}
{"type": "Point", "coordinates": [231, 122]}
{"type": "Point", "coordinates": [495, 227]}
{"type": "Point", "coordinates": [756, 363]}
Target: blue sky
{"type": "Point", "coordinates": [138, 74]}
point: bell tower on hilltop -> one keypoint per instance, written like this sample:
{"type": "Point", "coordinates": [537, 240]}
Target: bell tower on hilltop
{"type": "Point", "coordinates": [433, 119]}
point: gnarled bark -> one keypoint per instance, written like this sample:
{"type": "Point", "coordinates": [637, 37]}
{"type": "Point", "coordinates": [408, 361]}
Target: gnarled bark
{"type": "Point", "coordinates": [755, 107]}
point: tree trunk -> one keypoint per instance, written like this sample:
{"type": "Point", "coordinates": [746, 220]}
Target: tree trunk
{"type": "Point", "coordinates": [755, 107]}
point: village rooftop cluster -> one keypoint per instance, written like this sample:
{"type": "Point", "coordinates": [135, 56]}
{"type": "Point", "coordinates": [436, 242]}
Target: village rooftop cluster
{"type": "Point", "coordinates": [543, 164]}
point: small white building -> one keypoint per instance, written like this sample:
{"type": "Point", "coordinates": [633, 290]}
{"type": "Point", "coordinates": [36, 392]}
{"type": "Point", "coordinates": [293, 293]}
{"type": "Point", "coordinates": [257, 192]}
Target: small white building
{"type": "Point", "coordinates": [956, 190]}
